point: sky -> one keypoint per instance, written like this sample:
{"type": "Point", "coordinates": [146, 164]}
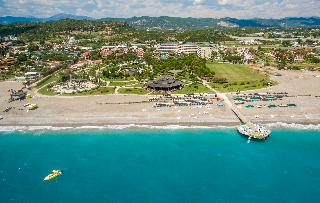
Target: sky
{"type": "Point", "coordinates": [181, 8]}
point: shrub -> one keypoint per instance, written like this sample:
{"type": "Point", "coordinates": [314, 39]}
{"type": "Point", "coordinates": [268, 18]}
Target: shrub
{"type": "Point", "coordinates": [220, 80]}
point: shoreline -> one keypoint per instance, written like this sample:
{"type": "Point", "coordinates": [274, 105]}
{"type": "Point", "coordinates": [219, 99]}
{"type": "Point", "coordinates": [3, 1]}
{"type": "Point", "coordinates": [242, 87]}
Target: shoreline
{"type": "Point", "coordinates": [125, 111]}
{"type": "Point", "coordinates": [155, 126]}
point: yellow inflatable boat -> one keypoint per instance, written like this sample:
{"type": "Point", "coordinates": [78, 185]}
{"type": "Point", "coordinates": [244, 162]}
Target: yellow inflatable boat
{"type": "Point", "coordinates": [53, 175]}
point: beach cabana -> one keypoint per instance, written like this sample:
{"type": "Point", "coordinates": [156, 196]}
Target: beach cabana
{"type": "Point", "coordinates": [220, 104]}
{"type": "Point", "coordinates": [272, 106]}
{"type": "Point", "coordinates": [164, 83]}
{"type": "Point", "coordinates": [239, 99]}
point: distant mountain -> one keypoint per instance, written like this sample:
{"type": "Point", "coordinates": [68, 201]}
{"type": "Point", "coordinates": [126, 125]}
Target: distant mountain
{"type": "Point", "coordinates": [177, 23]}
{"type": "Point", "coordinates": [69, 16]}
{"type": "Point", "coordinates": [165, 22]}
{"type": "Point", "coordinates": [284, 22]}
{"type": "Point", "coordinates": [227, 24]}
{"type": "Point", "coordinates": [12, 19]}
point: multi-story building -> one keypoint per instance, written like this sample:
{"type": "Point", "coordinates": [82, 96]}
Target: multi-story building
{"type": "Point", "coordinates": [205, 52]}
{"type": "Point", "coordinates": [168, 47]}
{"type": "Point", "coordinates": [188, 48]}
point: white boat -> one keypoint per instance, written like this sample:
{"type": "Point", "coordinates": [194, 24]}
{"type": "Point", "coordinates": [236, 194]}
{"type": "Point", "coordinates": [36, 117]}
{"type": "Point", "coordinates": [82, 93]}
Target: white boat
{"type": "Point", "coordinates": [1, 117]}
{"type": "Point", "coordinates": [254, 131]}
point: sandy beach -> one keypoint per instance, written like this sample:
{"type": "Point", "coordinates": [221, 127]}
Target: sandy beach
{"type": "Point", "coordinates": [303, 88]}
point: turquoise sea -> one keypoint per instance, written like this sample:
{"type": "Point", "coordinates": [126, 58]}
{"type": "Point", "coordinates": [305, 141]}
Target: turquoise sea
{"type": "Point", "coordinates": [142, 166]}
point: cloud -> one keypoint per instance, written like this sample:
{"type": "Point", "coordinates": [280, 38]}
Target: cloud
{"type": "Point", "coordinates": [225, 2]}
{"type": "Point", "coordinates": [183, 8]}
{"type": "Point", "coordinates": [197, 2]}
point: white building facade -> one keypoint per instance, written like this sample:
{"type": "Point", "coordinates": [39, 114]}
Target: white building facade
{"type": "Point", "coordinates": [168, 47]}
{"type": "Point", "coordinates": [188, 48]}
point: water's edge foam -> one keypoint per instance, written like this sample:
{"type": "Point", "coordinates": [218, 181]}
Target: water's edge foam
{"type": "Point", "coordinates": [293, 126]}
{"type": "Point", "coordinates": [278, 125]}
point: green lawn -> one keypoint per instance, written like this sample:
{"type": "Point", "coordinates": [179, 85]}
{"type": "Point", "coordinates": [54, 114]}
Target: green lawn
{"type": "Point", "coordinates": [46, 91]}
{"type": "Point", "coordinates": [133, 91]}
{"type": "Point", "coordinates": [234, 88]}
{"type": "Point", "coordinates": [43, 85]}
{"type": "Point", "coordinates": [193, 88]}
{"type": "Point", "coordinates": [5, 76]}
{"type": "Point", "coordinates": [138, 85]}
{"type": "Point", "coordinates": [239, 77]}
{"type": "Point", "coordinates": [97, 91]}
{"type": "Point", "coordinates": [53, 78]}
{"type": "Point", "coordinates": [298, 66]}
{"type": "Point", "coordinates": [120, 83]}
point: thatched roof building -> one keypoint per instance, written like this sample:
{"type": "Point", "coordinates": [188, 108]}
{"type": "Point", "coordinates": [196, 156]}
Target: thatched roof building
{"type": "Point", "coordinates": [165, 83]}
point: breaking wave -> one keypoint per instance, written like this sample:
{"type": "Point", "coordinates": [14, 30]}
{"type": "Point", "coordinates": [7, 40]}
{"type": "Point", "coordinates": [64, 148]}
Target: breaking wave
{"type": "Point", "coordinates": [106, 127]}
{"type": "Point", "coordinates": [278, 125]}
{"type": "Point", "coordinates": [293, 126]}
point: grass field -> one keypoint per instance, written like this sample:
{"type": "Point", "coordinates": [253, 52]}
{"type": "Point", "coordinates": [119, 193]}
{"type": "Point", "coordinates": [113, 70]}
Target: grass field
{"type": "Point", "coordinates": [308, 66]}
{"type": "Point", "coordinates": [5, 76]}
{"type": "Point", "coordinates": [133, 91]}
{"type": "Point", "coordinates": [121, 83]}
{"type": "Point", "coordinates": [50, 79]}
{"type": "Point", "coordinates": [193, 88]}
{"type": "Point", "coordinates": [45, 90]}
{"type": "Point", "coordinates": [44, 85]}
{"type": "Point", "coordinates": [97, 91]}
{"type": "Point", "coordinates": [239, 77]}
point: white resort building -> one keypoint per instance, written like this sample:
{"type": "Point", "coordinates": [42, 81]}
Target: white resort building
{"type": "Point", "coordinates": [205, 52]}
{"type": "Point", "coordinates": [188, 48]}
{"type": "Point", "coordinates": [168, 47]}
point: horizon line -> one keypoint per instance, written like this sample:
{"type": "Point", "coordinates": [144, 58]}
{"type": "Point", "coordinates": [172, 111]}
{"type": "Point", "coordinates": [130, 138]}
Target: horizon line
{"type": "Point", "coordinates": [159, 17]}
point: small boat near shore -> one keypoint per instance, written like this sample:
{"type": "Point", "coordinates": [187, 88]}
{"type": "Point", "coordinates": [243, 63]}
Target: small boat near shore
{"type": "Point", "coordinates": [255, 131]}
{"type": "Point", "coordinates": [53, 175]}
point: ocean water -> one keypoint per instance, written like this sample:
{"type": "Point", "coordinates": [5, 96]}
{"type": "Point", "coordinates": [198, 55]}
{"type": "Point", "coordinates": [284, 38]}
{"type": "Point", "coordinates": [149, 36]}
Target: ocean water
{"type": "Point", "coordinates": [199, 165]}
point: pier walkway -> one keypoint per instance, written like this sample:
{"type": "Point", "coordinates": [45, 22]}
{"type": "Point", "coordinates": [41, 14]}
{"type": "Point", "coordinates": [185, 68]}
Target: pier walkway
{"type": "Point", "coordinates": [227, 102]}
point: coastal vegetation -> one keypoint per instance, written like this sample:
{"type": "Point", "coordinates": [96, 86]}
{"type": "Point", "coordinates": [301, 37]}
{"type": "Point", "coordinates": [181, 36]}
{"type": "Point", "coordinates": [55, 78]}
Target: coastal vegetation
{"type": "Point", "coordinates": [117, 57]}
{"type": "Point", "coordinates": [233, 77]}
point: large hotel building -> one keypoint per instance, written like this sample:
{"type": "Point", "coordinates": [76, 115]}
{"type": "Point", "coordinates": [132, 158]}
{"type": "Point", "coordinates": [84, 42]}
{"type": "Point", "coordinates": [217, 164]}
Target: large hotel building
{"type": "Point", "coordinates": [186, 48]}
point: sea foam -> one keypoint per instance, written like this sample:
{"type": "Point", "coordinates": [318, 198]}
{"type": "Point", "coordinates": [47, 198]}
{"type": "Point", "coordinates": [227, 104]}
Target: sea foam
{"type": "Point", "coordinates": [277, 125]}
{"type": "Point", "coordinates": [105, 127]}
{"type": "Point", "coordinates": [294, 126]}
